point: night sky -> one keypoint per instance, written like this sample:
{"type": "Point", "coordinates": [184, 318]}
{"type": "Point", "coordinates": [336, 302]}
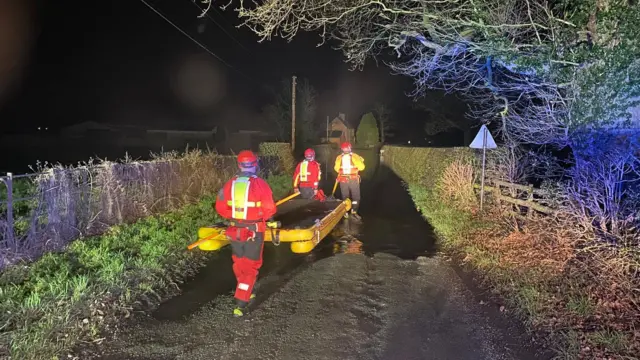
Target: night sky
{"type": "Point", "coordinates": [116, 62]}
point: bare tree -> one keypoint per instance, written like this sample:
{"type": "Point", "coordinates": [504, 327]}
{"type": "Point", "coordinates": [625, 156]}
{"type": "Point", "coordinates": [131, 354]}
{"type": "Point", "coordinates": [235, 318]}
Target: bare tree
{"type": "Point", "coordinates": [549, 73]}
{"type": "Point", "coordinates": [527, 60]}
{"type": "Point", "coordinates": [603, 190]}
{"type": "Point", "coordinates": [278, 113]}
{"type": "Point", "coordinates": [445, 112]}
{"type": "Point", "coordinates": [455, 46]}
{"type": "Point", "coordinates": [307, 128]}
{"type": "Point", "coordinates": [508, 163]}
{"type": "Point", "coordinates": [387, 125]}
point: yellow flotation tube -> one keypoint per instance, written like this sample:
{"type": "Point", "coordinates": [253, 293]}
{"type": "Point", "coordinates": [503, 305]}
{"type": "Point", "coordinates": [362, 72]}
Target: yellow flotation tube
{"type": "Point", "coordinates": [302, 240]}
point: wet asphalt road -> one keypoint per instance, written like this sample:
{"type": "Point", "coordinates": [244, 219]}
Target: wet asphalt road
{"type": "Point", "coordinates": [389, 296]}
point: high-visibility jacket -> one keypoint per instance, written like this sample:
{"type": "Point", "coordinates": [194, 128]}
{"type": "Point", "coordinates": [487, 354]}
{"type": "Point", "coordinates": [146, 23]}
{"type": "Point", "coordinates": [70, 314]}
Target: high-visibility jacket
{"type": "Point", "coordinates": [348, 166]}
{"type": "Point", "coordinates": [247, 199]}
{"type": "Point", "coordinates": [307, 174]}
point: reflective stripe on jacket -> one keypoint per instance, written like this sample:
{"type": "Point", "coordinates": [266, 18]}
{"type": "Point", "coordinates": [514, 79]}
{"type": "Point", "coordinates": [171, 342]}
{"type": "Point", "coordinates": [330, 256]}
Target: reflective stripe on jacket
{"type": "Point", "coordinates": [246, 198]}
{"type": "Point", "coordinates": [304, 171]}
{"type": "Point", "coordinates": [307, 174]}
{"type": "Point", "coordinates": [348, 166]}
{"type": "Point", "coordinates": [239, 202]}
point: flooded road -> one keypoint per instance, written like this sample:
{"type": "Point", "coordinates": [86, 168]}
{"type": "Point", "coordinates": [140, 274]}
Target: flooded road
{"type": "Point", "coordinates": [373, 290]}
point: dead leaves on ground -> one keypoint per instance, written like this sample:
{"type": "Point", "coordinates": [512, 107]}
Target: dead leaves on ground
{"type": "Point", "coordinates": [593, 293]}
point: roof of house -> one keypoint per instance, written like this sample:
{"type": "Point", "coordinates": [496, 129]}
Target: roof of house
{"type": "Point", "coordinates": [340, 119]}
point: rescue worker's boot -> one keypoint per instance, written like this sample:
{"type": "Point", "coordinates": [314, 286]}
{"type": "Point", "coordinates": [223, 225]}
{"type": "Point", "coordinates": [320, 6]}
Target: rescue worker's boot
{"type": "Point", "coordinates": [238, 312]}
{"type": "Point", "coordinates": [241, 306]}
{"type": "Point", "coordinates": [355, 215]}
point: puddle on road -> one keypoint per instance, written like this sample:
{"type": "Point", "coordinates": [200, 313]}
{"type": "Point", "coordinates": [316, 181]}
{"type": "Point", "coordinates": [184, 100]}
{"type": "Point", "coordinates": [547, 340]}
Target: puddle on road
{"type": "Point", "coordinates": [375, 235]}
{"type": "Point", "coordinates": [349, 245]}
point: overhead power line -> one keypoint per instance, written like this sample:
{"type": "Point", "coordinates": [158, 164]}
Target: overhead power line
{"type": "Point", "coordinates": [196, 41]}
{"type": "Point", "coordinates": [220, 26]}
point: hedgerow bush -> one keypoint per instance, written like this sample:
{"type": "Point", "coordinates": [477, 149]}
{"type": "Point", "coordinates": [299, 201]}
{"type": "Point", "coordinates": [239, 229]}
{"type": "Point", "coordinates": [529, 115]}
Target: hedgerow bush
{"type": "Point", "coordinates": [368, 134]}
{"type": "Point", "coordinates": [423, 166]}
{"type": "Point", "coordinates": [283, 152]}
{"type": "Point", "coordinates": [70, 202]}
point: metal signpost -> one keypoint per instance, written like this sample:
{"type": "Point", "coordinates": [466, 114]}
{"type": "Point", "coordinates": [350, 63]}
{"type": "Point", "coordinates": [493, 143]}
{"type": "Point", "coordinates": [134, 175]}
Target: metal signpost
{"type": "Point", "coordinates": [483, 141]}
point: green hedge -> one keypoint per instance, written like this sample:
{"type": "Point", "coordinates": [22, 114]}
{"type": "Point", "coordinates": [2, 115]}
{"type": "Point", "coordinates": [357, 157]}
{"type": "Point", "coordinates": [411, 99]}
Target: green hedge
{"type": "Point", "coordinates": [282, 151]}
{"type": "Point", "coordinates": [422, 166]}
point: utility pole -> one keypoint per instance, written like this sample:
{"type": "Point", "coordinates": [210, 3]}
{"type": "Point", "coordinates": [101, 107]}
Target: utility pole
{"type": "Point", "coordinates": [327, 128]}
{"type": "Point", "coordinates": [293, 113]}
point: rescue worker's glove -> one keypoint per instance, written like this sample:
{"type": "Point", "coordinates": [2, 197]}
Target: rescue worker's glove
{"type": "Point", "coordinates": [275, 234]}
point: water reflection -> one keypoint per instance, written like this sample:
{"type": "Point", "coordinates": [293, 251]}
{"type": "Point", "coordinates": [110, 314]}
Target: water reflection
{"type": "Point", "coordinates": [346, 235]}
{"type": "Point", "coordinates": [347, 246]}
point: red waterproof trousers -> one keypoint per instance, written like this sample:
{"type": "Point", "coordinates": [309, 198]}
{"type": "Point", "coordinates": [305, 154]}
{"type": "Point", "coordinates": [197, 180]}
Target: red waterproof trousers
{"type": "Point", "coordinates": [247, 260]}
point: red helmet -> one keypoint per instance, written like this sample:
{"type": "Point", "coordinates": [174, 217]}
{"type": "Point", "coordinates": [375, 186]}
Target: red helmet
{"type": "Point", "coordinates": [247, 159]}
{"type": "Point", "coordinates": [309, 154]}
{"type": "Point", "coordinates": [346, 147]}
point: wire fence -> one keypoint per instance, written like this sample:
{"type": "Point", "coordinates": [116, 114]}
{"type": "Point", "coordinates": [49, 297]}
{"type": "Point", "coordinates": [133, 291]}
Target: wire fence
{"type": "Point", "coordinates": [44, 211]}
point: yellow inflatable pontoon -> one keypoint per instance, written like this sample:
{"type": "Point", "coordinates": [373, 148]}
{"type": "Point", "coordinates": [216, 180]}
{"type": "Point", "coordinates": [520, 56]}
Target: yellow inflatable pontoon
{"type": "Point", "coordinates": [303, 223]}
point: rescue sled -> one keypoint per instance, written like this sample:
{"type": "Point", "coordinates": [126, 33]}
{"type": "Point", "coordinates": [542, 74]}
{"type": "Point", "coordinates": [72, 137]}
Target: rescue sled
{"type": "Point", "coordinates": [303, 223]}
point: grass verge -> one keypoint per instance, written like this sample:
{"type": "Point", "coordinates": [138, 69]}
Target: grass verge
{"type": "Point", "coordinates": [585, 300]}
{"type": "Point", "coordinates": [51, 305]}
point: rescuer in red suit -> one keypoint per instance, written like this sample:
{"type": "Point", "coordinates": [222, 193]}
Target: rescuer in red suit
{"type": "Point", "coordinates": [307, 176]}
{"type": "Point", "coordinates": [247, 201]}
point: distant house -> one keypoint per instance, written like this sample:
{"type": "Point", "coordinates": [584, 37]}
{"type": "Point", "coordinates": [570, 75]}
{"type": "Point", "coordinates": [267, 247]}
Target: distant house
{"type": "Point", "coordinates": [339, 131]}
